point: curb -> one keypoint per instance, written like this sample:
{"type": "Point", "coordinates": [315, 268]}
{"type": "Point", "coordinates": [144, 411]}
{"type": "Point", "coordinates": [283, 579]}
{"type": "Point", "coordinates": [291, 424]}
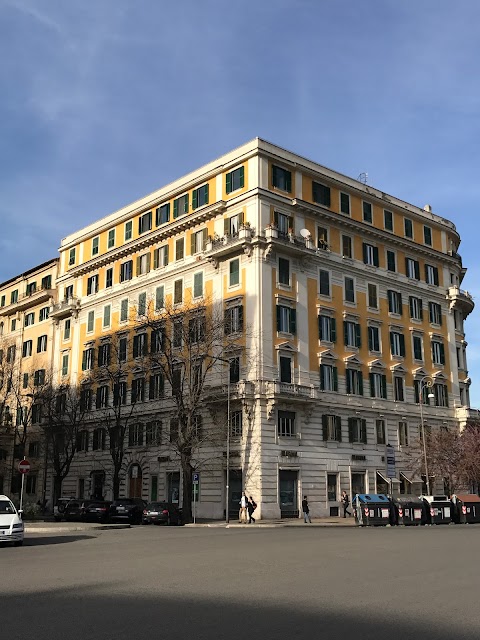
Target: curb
{"type": "Point", "coordinates": [70, 529]}
{"type": "Point", "coordinates": [272, 525]}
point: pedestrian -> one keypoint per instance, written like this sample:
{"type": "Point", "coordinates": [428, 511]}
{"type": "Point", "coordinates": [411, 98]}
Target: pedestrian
{"type": "Point", "coordinates": [306, 510]}
{"type": "Point", "coordinates": [252, 505]}
{"type": "Point", "coordinates": [345, 503]}
{"type": "Point", "coordinates": [242, 516]}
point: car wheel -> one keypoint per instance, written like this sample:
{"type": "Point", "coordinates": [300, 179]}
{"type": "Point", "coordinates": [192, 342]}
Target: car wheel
{"type": "Point", "coordinates": [18, 543]}
{"type": "Point", "coordinates": [57, 519]}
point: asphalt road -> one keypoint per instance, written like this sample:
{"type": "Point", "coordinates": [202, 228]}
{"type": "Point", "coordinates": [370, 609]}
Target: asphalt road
{"type": "Point", "coordinates": [158, 582]}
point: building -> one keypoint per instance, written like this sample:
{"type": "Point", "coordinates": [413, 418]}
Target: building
{"type": "Point", "coordinates": [350, 308]}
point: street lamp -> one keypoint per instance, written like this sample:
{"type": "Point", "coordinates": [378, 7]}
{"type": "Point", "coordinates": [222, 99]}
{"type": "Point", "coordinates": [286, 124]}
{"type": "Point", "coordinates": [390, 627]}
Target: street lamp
{"type": "Point", "coordinates": [425, 383]}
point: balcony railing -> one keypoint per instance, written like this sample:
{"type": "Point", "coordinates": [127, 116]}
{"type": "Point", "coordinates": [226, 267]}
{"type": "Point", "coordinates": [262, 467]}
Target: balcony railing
{"type": "Point", "coordinates": [26, 300]}
{"type": "Point", "coordinates": [461, 300]}
{"type": "Point", "coordinates": [65, 308]}
{"type": "Point", "coordinates": [222, 245]}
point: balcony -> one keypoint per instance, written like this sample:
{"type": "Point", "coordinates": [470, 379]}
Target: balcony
{"type": "Point", "coordinates": [290, 389]}
{"type": "Point", "coordinates": [27, 300]}
{"type": "Point", "coordinates": [66, 308]}
{"type": "Point", "coordinates": [293, 244]}
{"type": "Point", "coordinates": [461, 300]}
{"type": "Point", "coordinates": [218, 247]}
{"type": "Point", "coordinates": [219, 393]}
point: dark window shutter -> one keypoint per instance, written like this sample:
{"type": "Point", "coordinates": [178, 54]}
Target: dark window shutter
{"type": "Point", "coordinates": [384, 386]}
{"type": "Point", "coordinates": [420, 304]}
{"type": "Point", "coordinates": [370, 339]}
{"type": "Point", "coordinates": [406, 267]}
{"type": "Point", "coordinates": [338, 428]}
{"type": "Point", "coordinates": [99, 398]}
{"type": "Point", "coordinates": [242, 177]}
{"type": "Point", "coordinates": [155, 259]}
{"type": "Point", "coordinates": [288, 181]}
{"type": "Point", "coordinates": [293, 321]}
{"type": "Point", "coordinates": [325, 426]}
{"type": "Point", "coordinates": [175, 208]}
{"type": "Point", "coordinates": [228, 183]}
{"type": "Point", "coordinates": [400, 303]}
{"type": "Point", "coordinates": [445, 388]}
{"type": "Point", "coordinates": [240, 317]}
{"type": "Point", "coordinates": [227, 322]}
{"type": "Point", "coordinates": [205, 193]}
{"type": "Point", "coordinates": [350, 429]}
{"type": "Point", "coordinates": [319, 319]}
{"type": "Point", "coordinates": [442, 353]}
{"type": "Point", "coordinates": [435, 275]}
{"type": "Point", "coordinates": [322, 378]}
{"type": "Point", "coordinates": [192, 243]}
{"type": "Point", "coordinates": [360, 382]}
{"type": "Point", "coordinates": [363, 434]}
{"type": "Point", "coordinates": [345, 332]}
{"type": "Point", "coordinates": [391, 342]}
{"type": "Point", "coordinates": [333, 329]}
{"type": "Point", "coordinates": [376, 261]}
{"type": "Point", "coordinates": [372, 385]}
{"type": "Point", "coordinates": [426, 273]}
{"type": "Point", "coordinates": [335, 378]}
{"type": "Point", "coordinates": [417, 270]}
{"type": "Point", "coordinates": [241, 217]}
{"type": "Point", "coordinates": [84, 361]}
{"type": "Point", "coordinates": [151, 388]}
{"type": "Point", "coordinates": [226, 226]}
{"type": "Point", "coordinates": [402, 345]}
{"type": "Point", "coordinates": [194, 198]}
{"type": "Point", "coordinates": [358, 336]}
{"type": "Point", "coordinates": [364, 253]}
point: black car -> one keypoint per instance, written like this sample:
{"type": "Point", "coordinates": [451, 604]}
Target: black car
{"type": "Point", "coordinates": [162, 513]}
{"type": "Point", "coordinates": [75, 510]}
{"type": "Point", "coordinates": [127, 509]}
{"type": "Point", "coordinates": [97, 511]}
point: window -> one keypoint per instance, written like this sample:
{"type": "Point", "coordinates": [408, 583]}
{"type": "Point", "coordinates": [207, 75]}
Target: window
{"type": "Point", "coordinates": [143, 264]}
{"type": "Point", "coordinates": [345, 203]}
{"type": "Point", "coordinates": [31, 484]}
{"type": "Point", "coordinates": [41, 344]}
{"type": "Point", "coordinates": [328, 378]}
{"type": "Point", "coordinates": [92, 285]}
{"type": "Point", "coordinates": [332, 487]}
{"type": "Point", "coordinates": [128, 230]}
{"type": "Point", "coordinates": [438, 352]}
{"type": "Point", "coordinates": [198, 284]}
{"type": "Point", "coordinates": [357, 430]}
{"type": "Point", "coordinates": [394, 302]}
{"type": "Point", "coordinates": [126, 271]}
{"type": "Point", "coordinates": [347, 247]}
{"type": "Point", "coordinates": [107, 312]}
{"type": "Point", "coordinates": [99, 439]}
{"type": "Point", "coordinates": [25, 380]}
{"type": "Point", "coordinates": [95, 242]}
{"type": "Point", "coordinates": [159, 298]}
{"type": "Point", "coordinates": [140, 345]}
{"type": "Point", "coordinates": [412, 269]}
{"type": "Point", "coordinates": [397, 344]}
{"type": "Point", "coordinates": [351, 334]}
{"type": "Point", "coordinates": [431, 274]}
{"type": "Point", "coordinates": [285, 369]}
{"type": "Point", "coordinates": [231, 225]}
{"type": "Point", "coordinates": [196, 329]}
{"type": "Point", "coordinates": [327, 328]}
{"type": "Point", "coordinates": [372, 290]}
{"type": "Point", "coordinates": [111, 238]}
{"type": "Point", "coordinates": [27, 349]}
{"type": "Point", "coordinates": [39, 377]}
{"type": "Point", "coordinates": [391, 261]}
{"type": "Point", "coordinates": [108, 278]}
{"type": "Point", "coordinates": [367, 212]}
{"type": "Point", "coordinates": [332, 428]}
{"type": "Point", "coordinates": [14, 296]}
{"type": "Point", "coordinates": [398, 389]}
{"type": "Point", "coordinates": [174, 427]}
{"type": "Point", "coordinates": [234, 369]}
{"type": "Point", "coordinates": [370, 255]}
{"type": "Point", "coordinates": [157, 340]}
{"type": "Point", "coordinates": [11, 353]}
{"type": "Point", "coordinates": [162, 215]}
{"type": "Point", "coordinates": [417, 348]}
{"type": "Point", "coordinates": [233, 319]}
{"type": "Point", "coordinates": [234, 272]}
{"type": "Point", "coordinates": [142, 304]}
{"type": "Point", "coordinates": [440, 391]}
{"type": "Point", "coordinates": [69, 292]}
{"type": "Point", "coordinates": [416, 309]}
{"type": "Point", "coordinates": [102, 397]}
{"type": "Point", "coordinates": [88, 358]}
{"type": "Point", "coordinates": [435, 313]}
{"type": "Point", "coordinates": [281, 178]}
{"type": "Point", "coordinates": [349, 289]}
{"type": "Point", "coordinates": [43, 314]}
{"type": "Point", "coordinates": [354, 382]}
{"type": "Point", "coordinates": [160, 257]}
{"type": "Point", "coordinates": [374, 339]}
{"type": "Point", "coordinates": [378, 385]}
{"type": "Point", "coordinates": [90, 321]}
{"type": "Point", "coordinates": [14, 324]}
{"type": "Point", "coordinates": [324, 288]}
{"type": "Point", "coordinates": [145, 222]}
{"type": "Point", "coordinates": [119, 393]}
{"type": "Point", "coordinates": [177, 382]}
{"type": "Point", "coordinates": [178, 291]}
{"type": "Point", "coordinates": [156, 386]}
{"type": "Point", "coordinates": [82, 441]}
{"type": "Point", "coordinates": [104, 355]}
{"type": "Point", "coordinates": [286, 424]}
{"type": "Point", "coordinates": [403, 434]}
{"type": "Point", "coordinates": [286, 319]}
{"type": "Point", "coordinates": [200, 196]}
{"type": "Point", "coordinates": [321, 194]}
{"type": "Point", "coordinates": [198, 241]}
{"type": "Point", "coordinates": [2, 301]}
{"type": "Point", "coordinates": [36, 413]}
{"type": "Point", "coordinates": [284, 271]}
{"type": "Point", "coordinates": [31, 288]}
{"type": "Point", "coordinates": [65, 364]}
{"type": "Point", "coordinates": [153, 433]}
{"type": "Point", "coordinates": [135, 435]}
{"type": "Point", "coordinates": [408, 225]}
{"type": "Point", "coordinates": [235, 180]}
{"type": "Point", "coordinates": [380, 431]}
{"type": "Point", "coordinates": [71, 257]}
{"type": "Point", "coordinates": [322, 238]}
{"type": "Point", "coordinates": [180, 206]}
{"type": "Point", "coordinates": [236, 424]}
{"type": "Point", "coordinates": [124, 310]}
{"type": "Point", "coordinates": [138, 390]}
{"type": "Point", "coordinates": [179, 249]}
{"type": "Point", "coordinates": [388, 220]}
{"type": "Point", "coordinates": [427, 236]}
{"type": "Point", "coordinates": [29, 319]}
{"type": "Point", "coordinates": [283, 223]}
{"type": "Point", "coordinates": [177, 334]}
{"type": "Point", "coordinates": [417, 384]}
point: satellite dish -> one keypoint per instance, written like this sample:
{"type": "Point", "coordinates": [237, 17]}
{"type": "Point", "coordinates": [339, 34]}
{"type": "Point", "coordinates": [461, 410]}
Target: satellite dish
{"type": "Point", "coordinates": [305, 233]}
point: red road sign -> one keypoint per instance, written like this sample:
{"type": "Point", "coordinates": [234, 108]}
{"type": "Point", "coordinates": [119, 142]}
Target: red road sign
{"type": "Point", "coordinates": [24, 466]}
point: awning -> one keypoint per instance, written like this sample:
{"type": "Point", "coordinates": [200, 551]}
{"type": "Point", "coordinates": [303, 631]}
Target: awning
{"type": "Point", "coordinates": [387, 480]}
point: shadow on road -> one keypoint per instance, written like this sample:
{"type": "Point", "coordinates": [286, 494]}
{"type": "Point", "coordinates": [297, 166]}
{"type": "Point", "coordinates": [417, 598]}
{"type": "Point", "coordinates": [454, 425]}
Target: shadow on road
{"type": "Point", "coordinates": [47, 540]}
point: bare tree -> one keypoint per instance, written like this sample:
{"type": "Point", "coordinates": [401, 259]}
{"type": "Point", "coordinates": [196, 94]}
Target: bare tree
{"type": "Point", "coordinates": [7, 427]}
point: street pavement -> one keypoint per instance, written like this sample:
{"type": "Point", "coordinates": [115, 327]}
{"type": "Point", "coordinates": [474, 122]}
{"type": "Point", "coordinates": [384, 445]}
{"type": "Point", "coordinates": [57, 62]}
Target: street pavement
{"type": "Point", "coordinates": [268, 583]}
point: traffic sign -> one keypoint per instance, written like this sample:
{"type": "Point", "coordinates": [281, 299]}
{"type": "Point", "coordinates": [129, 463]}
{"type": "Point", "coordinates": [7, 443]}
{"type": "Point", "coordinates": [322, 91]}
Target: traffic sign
{"type": "Point", "coordinates": [196, 476]}
{"type": "Point", "coordinates": [24, 466]}
{"type": "Point", "coordinates": [390, 460]}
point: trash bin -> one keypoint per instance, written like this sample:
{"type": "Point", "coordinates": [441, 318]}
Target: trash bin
{"type": "Point", "coordinates": [465, 508]}
{"type": "Point", "coordinates": [372, 509]}
{"type": "Point", "coordinates": [409, 511]}
{"type": "Point", "coordinates": [439, 509]}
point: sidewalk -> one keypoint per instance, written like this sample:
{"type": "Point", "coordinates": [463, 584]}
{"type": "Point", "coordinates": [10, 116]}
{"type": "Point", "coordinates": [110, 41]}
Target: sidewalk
{"type": "Point", "coordinates": [68, 527]}
{"type": "Point", "coordinates": [265, 524]}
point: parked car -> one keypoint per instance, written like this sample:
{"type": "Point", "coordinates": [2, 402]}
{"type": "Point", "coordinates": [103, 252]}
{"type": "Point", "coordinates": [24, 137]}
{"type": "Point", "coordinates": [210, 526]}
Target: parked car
{"type": "Point", "coordinates": [127, 509]}
{"type": "Point", "coordinates": [97, 511]}
{"type": "Point", "coordinates": [60, 506]}
{"type": "Point", "coordinates": [162, 513]}
{"type": "Point", "coordinates": [11, 525]}
{"type": "Point", "coordinates": [75, 510]}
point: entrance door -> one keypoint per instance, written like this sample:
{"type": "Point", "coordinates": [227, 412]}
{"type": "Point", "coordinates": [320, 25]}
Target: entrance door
{"type": "Point", "coordinates": [135, 482]}
{"type": "Point", "coordinates": [98, 480]}
{"type": "Point", "coordinates": [173, 482]}
{"type": "Point", "coordinates": [358, 484]}
{"type": "Point", "coordinates": [234, 492]}
{"type": "Point", "coordinates": [288, 481]}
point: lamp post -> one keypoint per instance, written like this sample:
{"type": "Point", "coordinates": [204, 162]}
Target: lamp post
{"type": "Point", "coordinates": [425, 383]}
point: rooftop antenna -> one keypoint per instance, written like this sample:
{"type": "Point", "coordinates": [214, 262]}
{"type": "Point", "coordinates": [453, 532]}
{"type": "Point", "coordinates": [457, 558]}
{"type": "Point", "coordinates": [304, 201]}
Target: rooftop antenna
{"type": "Point", "coordinates": [363, 177]}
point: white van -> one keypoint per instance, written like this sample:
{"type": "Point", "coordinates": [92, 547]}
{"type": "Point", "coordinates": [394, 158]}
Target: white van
{"type": "Point", "coordinates": [11, 525]}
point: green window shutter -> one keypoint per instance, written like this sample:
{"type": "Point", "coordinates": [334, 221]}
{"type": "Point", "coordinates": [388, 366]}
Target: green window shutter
{"type": "Point", "coordinates": [278, 318]}
{"type": "Point", "coordinates": [435, 275]}
{"type": "Point", "coordinates": [185, 204]}
{"type": "Point", "coordinates": [242, 177]}
{"type": "Point", "coordinates": [138, 265]}
{"type": "Point", "coordinates": [322, 378]}
{"type": "Point", "coordinates": [442, 353]}
{"type": "Point", "coordinates": [406, 267]}
{"type": "Point", "coordinates": [391, 342]}
{"type": "Point", "coordinates": [228, 182]}
{"type": "Point", "coordinates": [275, 218]}
{"type": "Point", "coordinates": [384, 386]}
{"type": "Point", "coordinates": [400, 304]}
{"type": "Point", "coordinates": [360, 382]}
{"type": "Point", "coordinates": [348, 380]}
{"type": "Point", "coordinates": [417, 270]}
{"type": "Point", "coordinates": [445, 387]}
{"type": "Point", "coordinates": [364, 431]}
{"type": "Point", "coordinates": [288, 180]}
{"type": "Point", "coordinates": [358, 335]}
{"type": "Point", "coordinates": [333, 329]}
{"type": "Point", "coordinates": [324, 427]}
{"type": "Point", "coordinates": [372, 385]}
{"type": "Point", "coordinates": [350, 429]}
{"type": "Point", "coordinates": [319, 327]}
{"type": "Point", "coordinates": [290, 221]}
{"type": "Point", "coordinates": [204, 238]}
{"type": "Point", "coordinates": [84, 361]}
{"type": "Point", "coordinates": [241, 217]}
{"type": "Point", "coordinates": [338, 428]}
{"type": "Point", "coordinates": [192, 243]}
{"type": "Point", "coordinates": [194, 198]}
{"type": "Point", "coordinates": [165, 262]}
{"type": "Point", "coordinates": [420, 303]}
{"type": "Point", "coordinates": [345, 332]}
{"type": "Point", "coordinates": [335, 378]}
{"type": "Point", "coordinates": [149, 261]}
{"type": "Point", "coordinates": [376, 261]}
{"type": "Point", "coordinates": [226, 226]}
{"type": "Point", "coordinates": [402, 345]}
{"type": "Point", "coordinates": [240, 318]}
{"type": "Point", "coordinates": [370, 338]}
{"type": "Point", "coordinates": [155, 258]}
{"type": "Point", "coordinates": [227, 325]}
{"type": "Point", "coordinates": [293, 321]}
{"type": "Point", "coordinates": [205, 193]}
{"type": "Point", "coordinates": [364, 253]}
{"type": "Point", "coordinates": [175, 208]}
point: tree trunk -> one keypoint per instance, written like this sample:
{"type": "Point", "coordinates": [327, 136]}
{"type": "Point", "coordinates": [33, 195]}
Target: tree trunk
{"type": "Point", "coordinates": [187, 471]}
{"type": "Point", "coordinates": [116, 483]}
{"type": "Point", "coordinates": [57, 488]}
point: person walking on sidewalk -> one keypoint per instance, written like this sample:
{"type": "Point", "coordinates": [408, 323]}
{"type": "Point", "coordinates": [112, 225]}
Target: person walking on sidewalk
{"type": "Point", "coordinates": [345, 504]}
{"type": "Point", "coordinates": [306, 510]}
{"type": "Point", "coordinates": [251, 506]}
{"type": "Point", "coordinates": [242, 516]}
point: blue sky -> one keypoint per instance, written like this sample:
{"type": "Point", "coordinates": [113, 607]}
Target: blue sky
{"type": "Point", "coordinates": [103, 102]}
